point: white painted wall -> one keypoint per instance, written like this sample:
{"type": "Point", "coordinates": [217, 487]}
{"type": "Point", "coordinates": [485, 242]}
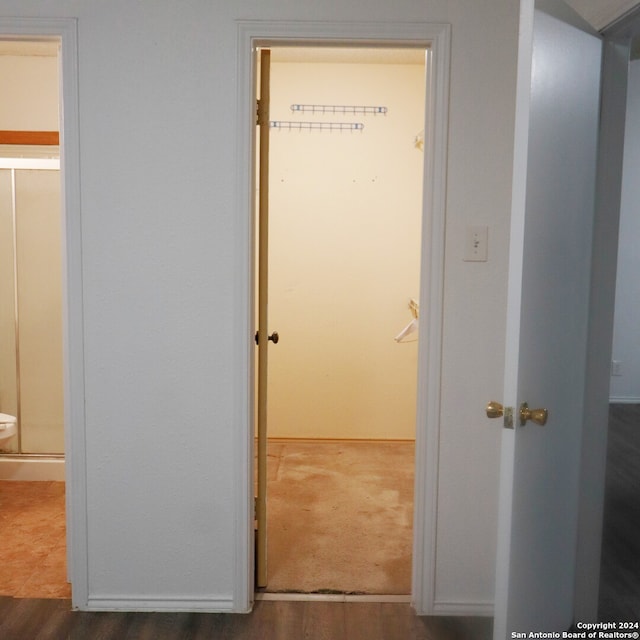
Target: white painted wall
{"type": "Point", "coordinates": [626, 337]}
{"type": "Point", "coordinates": [344, 248]}
{"type": "Point", "coordinates": [157, 83]}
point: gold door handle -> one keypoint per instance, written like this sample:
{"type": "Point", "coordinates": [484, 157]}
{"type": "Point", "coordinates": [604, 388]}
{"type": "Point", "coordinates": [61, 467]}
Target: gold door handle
{"type": "Point", "coordinates": [494, 410]}
{"type": "Point", "coordinates": [539, 416]}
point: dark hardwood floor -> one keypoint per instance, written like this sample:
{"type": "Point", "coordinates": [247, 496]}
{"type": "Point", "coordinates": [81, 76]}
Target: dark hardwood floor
{"type": "Point", "coordinates": [39, 619]}
{"type": "Point", "coordinates": [620, 567]}
{"type": "Point", "coordinates": [35, 619]}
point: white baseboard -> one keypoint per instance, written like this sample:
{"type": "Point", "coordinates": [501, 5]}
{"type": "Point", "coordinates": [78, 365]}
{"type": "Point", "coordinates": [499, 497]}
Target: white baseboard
{"type": "Point", "coordinates": [463, 608]}
{"type": "Point", "coordinates": [624, 400]}
{"type": "Point", "coordinates": [219, 604]}
{"type": "Point", "coordinates": [32, 469]}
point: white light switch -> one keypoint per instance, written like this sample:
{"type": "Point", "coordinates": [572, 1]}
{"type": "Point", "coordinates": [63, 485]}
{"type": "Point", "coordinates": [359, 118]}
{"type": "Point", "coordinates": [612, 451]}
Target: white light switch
{"type": "Point", "coordinates": [475, 244]}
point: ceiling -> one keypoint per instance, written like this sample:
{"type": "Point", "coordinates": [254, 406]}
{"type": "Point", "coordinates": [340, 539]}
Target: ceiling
{"type": "Point", "coordinates": [601, 13]}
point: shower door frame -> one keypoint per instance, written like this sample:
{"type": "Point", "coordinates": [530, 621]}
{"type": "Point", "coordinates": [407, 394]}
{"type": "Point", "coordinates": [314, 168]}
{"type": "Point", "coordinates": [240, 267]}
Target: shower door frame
{"type": "Point", "coordinates": [435, 39]}
{"type": "Point", "coordinates": [14, 164]}
{"type": "Point", "coordinates": [65, 32]}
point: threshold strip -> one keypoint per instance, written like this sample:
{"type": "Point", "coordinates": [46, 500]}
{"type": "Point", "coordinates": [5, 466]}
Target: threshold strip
{"type": "Point", "coordinates": [333, 597]}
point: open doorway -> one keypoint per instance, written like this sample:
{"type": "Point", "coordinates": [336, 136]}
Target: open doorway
{"type": "Point", "coordinates": [620, 552]}
{"type": "Point", "coordinates": [345, 209]}
{"type": "Point", "coordinates": [32, 488]}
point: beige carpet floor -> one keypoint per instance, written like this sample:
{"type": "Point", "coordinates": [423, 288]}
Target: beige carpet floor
{"type": "Point", "coordinates": [340, 517]}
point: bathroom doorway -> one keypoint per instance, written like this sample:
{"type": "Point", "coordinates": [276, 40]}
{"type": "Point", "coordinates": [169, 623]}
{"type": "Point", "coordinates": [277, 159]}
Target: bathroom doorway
{"type": "Point", "coordinates": [31, 321]}
{"type": "Point", "coordinates": [32, 488]}
{"type": "Point", "coordinates": [345, 214]}
{"type": "Point", "coordinates": [31, 384]}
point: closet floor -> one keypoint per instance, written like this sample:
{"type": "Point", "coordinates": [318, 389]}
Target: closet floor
{"type": "Point", "coordinates": [340, 516]}
{"type": "Point", "coordinates": [32, 531]}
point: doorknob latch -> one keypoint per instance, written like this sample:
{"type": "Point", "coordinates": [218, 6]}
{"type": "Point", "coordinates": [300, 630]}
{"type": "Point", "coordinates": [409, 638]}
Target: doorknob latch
{"type": "Point", "coordinates": [496, 410]}
{"type": "Point", "coordinates": [274, 337]}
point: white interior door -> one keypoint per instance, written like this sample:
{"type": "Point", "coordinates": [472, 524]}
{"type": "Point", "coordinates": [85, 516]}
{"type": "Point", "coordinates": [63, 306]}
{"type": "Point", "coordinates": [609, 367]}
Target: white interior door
{"type": "Point", "coordinates": [549, 280]}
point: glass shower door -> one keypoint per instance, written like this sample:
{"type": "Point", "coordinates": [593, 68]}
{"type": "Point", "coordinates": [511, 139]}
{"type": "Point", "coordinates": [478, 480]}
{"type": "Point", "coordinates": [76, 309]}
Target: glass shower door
{"type": "Point", "coordinates": [40, 310]}
{"type": "Point", "coordinates": [33, 391]}
{"type": "Point", "coordinates": [8, 353]}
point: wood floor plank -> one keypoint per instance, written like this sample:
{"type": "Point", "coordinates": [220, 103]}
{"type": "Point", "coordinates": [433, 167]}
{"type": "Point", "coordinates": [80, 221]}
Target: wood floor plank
{"type": "Point", "coordinates": [398, 622]}
{"type": "Point", "coordinates": [30, 618]}
{"type": "Point", "coordinates": [39, 619]}
{"type": "Point", "coordinates": [277, 620]}
{"type": "Point", "coordinates": [362, 620]}
{"type": "Point", "coordinates": [169, 626]}
{"type": "Point", "coordinates": [290, 620]}
{"type": "Point", "coordinates": [620, 564]}
{"type": "Point", "coordinates": [6, 603]}
{"type": "Point", "coordinates": [479, 628]}
{"type": "Point", "coordinates": [323, 621]}
{"type": "Point", "coordinates": [101, 626]}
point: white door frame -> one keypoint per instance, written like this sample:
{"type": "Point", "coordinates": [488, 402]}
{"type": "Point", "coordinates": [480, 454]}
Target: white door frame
{"type": "Point", "coordinates": [437, 39]}
{"type": "Point", "coordinates": [65, 31]}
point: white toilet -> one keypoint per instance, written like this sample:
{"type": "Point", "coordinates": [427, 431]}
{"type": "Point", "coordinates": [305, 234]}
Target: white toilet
{"type": "Point", "coordinates": [8, 428]}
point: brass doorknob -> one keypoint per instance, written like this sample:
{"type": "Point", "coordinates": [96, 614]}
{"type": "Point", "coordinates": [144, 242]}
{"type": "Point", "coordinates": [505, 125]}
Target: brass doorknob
{"type": "Point", "coordinates": [494, 410]}
{"type": "Point", "coordinates": [539, 416]}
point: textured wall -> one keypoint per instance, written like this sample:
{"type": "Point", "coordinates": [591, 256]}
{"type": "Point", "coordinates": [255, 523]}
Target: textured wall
{"type": "Point", "coordinates": [345, 217]}
{"type": "Point", "coordinates": [157, 99]}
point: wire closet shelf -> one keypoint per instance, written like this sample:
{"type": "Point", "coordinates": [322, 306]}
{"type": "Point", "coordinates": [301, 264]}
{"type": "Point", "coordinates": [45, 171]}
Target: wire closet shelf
{"type": "Point", "coordinates": [327, 109]}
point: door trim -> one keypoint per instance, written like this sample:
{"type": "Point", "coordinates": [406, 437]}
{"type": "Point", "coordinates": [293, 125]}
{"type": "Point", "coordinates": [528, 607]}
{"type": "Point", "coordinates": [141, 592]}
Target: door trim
{"type": "Point", "coordinates": [436, 38]}
{"type": "Point", "coordinates": [65, 31]}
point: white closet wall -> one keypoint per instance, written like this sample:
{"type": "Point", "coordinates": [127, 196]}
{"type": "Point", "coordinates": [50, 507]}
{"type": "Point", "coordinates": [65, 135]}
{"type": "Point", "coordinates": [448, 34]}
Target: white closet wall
{"type": "Point", "coordinates": [345, 220]}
